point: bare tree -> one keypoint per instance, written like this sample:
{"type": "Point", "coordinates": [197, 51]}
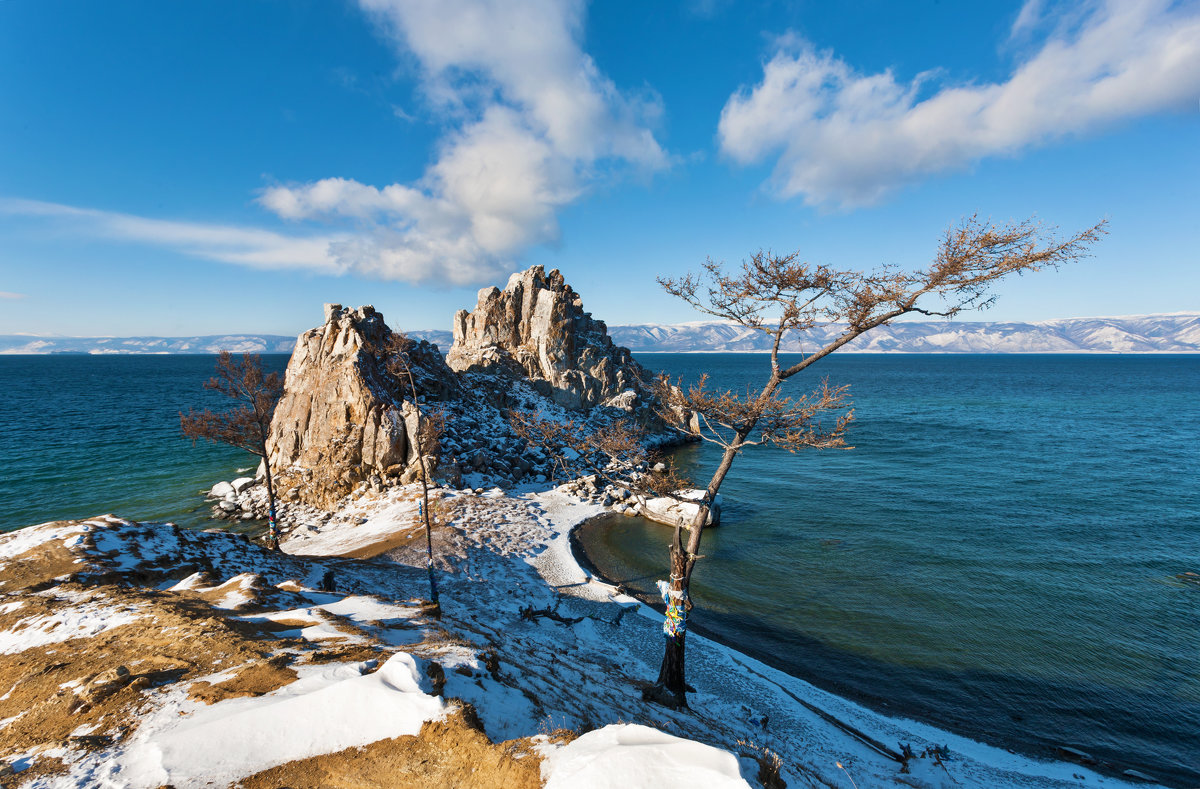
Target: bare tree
{"type": "Point", "coordinates": [398, 361]}
{"type": "Point", "coordinates": [246, 426]}
{"type": "Point", "coordinates": [778, 295]}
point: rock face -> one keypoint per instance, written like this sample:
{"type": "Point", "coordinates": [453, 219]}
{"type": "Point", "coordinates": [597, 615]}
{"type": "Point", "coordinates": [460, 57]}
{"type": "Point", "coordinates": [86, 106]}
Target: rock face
{"type": "Point", "coordinates": [343, 418]}
{"type": "Point", "coordinates": [536, 328]}
{"type": "Point", "coordinates": [347, 422]}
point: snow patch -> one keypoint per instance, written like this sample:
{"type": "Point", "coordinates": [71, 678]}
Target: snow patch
{"type": "Point", "coordinates": [82, 620]}
{"type": "Point", "coordinates": [326, 710]}
{"type": "Point", "coordinates": [628, 756]}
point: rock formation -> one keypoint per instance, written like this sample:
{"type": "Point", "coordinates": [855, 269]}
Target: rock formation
{"type": "Point", "coordinates": [536, 328]}
{"type": "Point", "coordinates": [343, 418]}
{"type": "Point", "coordinates": [346, 419]}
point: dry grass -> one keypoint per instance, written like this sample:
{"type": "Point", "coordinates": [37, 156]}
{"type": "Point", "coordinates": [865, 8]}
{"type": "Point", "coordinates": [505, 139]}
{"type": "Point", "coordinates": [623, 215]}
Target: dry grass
{"type": "Point", "coordinates": [452, 752]}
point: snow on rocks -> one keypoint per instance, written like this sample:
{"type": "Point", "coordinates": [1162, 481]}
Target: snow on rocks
{"type": "Point", "coordinates": [662, 509]}
{"type": "Point", "coordinates": [357, 525]}
{"type": "Point", "coordinates": [625, 756]}
{"type": "Point", "coordinates": [672, 511]}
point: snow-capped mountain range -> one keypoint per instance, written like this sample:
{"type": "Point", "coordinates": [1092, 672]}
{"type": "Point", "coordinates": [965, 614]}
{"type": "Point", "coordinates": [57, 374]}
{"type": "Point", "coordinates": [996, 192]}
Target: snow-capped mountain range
{"type": "Point", "coordinates": [1177, 332]}
{"type": "Point", "coordinates": [1169, 333]}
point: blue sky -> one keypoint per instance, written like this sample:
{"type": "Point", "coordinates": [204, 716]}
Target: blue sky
{"type": "Point", "coordinates": [181, 168]}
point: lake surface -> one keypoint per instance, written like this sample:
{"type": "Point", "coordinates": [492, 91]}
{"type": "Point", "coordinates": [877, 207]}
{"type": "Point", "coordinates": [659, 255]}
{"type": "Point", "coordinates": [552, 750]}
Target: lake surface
{"type": "Point", "coordinates": [85, 435]}
{"type": "Point", "coordinates": [996, 555]}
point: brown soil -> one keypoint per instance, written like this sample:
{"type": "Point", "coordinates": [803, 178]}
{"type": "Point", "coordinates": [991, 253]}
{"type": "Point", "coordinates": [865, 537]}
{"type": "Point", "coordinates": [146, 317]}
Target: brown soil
{"type": "Point", "coordinates": [448, 753]}
{"type": "Point", "coordinates": [101, 682]}
{"type": "Point", "coordinates": [38, 567]}
{"type": "Point", "coordinates": [254, 680]}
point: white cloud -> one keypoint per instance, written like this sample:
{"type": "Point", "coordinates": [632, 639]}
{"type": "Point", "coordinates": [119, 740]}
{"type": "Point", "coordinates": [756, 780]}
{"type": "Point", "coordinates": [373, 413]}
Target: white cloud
{"type": "Point", "coordinates": [4, 294]}
{"type": "Point", "coordinates": [535, 123]}
{"type": "Point", "coordinates": [847, 138]}
{"type": "Point", "coordinates": [245, 246]}
{"type": "Point", "coordinates": [1028, 17]}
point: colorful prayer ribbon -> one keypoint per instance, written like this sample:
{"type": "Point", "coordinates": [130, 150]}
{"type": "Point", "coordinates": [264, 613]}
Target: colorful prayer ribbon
{"type": "Point", "coordinates": [675, 622]}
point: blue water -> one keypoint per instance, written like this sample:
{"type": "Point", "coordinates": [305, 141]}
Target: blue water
{"type": "Point", "coordinates": [86, 435]}
{"type": "Point", "coordinates": [996, 555]}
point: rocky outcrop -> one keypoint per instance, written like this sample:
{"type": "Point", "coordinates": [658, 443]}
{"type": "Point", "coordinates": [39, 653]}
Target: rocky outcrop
{"type": "Point", "coordinates": [347, 421]}
{"type": "Point", "coordinates": [344, 418]}
{"type": "Point", "coordinates": [536, 328]}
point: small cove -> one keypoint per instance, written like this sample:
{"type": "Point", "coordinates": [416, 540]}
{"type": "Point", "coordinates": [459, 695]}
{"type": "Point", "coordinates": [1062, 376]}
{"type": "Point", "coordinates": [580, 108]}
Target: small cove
{"type": "Point", "coordinates": [995, 557]}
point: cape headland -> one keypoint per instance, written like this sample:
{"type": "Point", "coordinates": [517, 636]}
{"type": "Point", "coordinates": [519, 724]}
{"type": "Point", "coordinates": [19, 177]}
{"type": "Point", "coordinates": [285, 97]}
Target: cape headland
{"type": "Point", "coordinates": [143, 655]}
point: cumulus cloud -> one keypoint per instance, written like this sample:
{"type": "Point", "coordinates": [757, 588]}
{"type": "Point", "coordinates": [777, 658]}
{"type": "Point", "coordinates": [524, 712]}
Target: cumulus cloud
{"type": "Point", "coordinates": [846, 138]}
{"type": "Point", "coordinates": [253, 247]}
{"type": "Point", "coordinates": [533, 124]}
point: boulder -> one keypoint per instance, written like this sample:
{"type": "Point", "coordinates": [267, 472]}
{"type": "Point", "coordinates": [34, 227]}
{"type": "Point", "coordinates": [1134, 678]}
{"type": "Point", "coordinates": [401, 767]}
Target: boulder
{"type": "Point", "coordinates": [242, 483]}
{"type": "Point", "coordinates": [105, 684]}
{"type": "Point", "coordinates": [221, 490]}
{"type": "Point", "coordinates": [672, 511]}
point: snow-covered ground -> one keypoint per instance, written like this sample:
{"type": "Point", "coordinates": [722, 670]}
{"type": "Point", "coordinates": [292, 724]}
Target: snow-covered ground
{"type": "Point", "coordinates": [268, 664]}
{"type": "Point", "coordinates": [517, 555]}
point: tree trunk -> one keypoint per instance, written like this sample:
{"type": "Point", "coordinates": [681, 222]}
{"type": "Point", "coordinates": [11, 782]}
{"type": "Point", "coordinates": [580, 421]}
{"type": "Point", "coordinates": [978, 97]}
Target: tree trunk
{"type": "Point", "coordinates": [272, 522]}
{"type": "Point", "coordinates": [424, 506]}
{"type": "Point", "coordinates": [671, 688]}
{"type": "Point", "coordinates": [433, 590]}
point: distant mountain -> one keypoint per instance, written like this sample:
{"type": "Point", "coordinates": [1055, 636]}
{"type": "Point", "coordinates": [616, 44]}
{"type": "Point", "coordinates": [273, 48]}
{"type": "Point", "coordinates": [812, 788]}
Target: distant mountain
{"type": "Point", "coordinates": [204, 344]}
{"type": "Point", "coordinates": [1177, 332]}
{"type": "Point", "coordinates": [1170, 333]}
{"type": "Point", "coordinates": [212, 343]}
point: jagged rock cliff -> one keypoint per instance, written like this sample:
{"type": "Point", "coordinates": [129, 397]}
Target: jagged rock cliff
{"type": "Point", "coordinates": [346, 420]}
{"type": "Point", "coordinates": [536, 328]}
{"type": "Point", "coordinates": [343, 418]}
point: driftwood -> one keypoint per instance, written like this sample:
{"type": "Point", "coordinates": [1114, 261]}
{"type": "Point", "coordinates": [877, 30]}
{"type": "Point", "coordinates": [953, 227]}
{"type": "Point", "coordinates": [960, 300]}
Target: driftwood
{"type": "Point", "coordinates": [529, 614]}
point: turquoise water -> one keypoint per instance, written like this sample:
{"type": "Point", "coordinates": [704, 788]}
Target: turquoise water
{"type": "Point", "coordinates": [996, 555]}
{"type": "Point", "coordinates": [86, 435]}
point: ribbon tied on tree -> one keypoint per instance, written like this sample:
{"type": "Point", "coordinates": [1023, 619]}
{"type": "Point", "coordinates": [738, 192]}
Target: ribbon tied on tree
{"type": "Point", "coordinates": [675, 622]}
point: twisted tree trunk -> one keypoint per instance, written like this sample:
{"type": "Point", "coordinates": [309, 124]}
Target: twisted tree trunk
{"type": "Point", "coordinates": [671, 688]}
